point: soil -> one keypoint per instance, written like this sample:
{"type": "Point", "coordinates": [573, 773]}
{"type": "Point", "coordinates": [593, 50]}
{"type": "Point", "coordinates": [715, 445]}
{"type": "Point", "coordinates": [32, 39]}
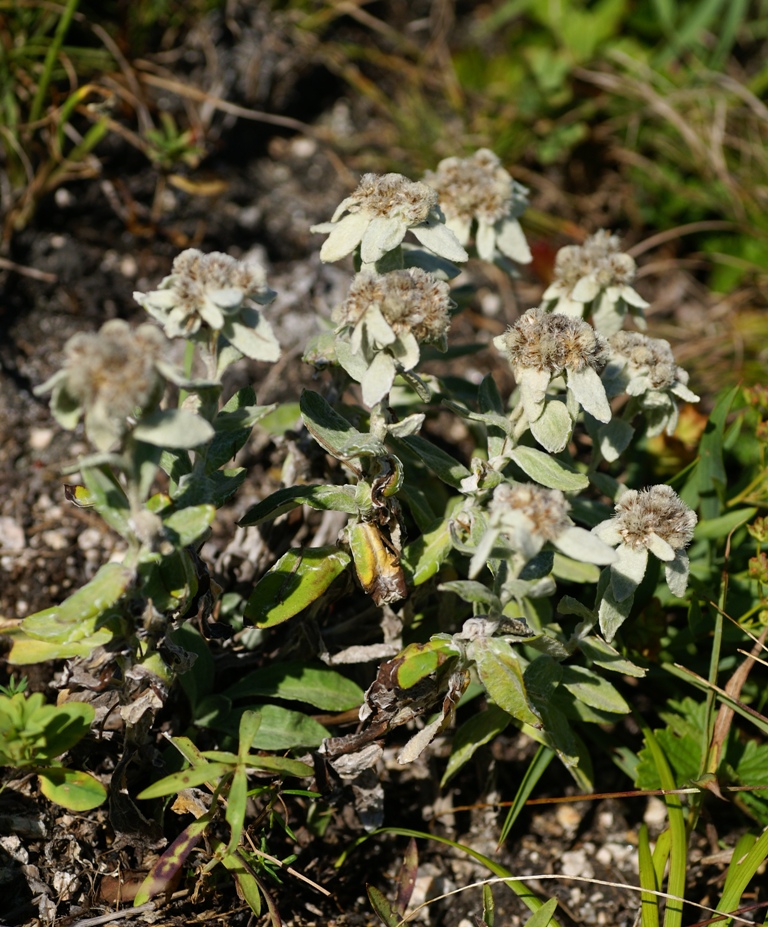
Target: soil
{"type": "Point", "coordinates": [75, 265]}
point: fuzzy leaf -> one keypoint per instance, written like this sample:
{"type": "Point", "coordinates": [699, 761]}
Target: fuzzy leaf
{"type": "Point", "coordinates": [173, 428]}
{"type": "Point", "coordinates": [552, 429]}
{"type": "Point", "coordinates": [548, 470]}
{"type": "Point", "coordinates": [189, 524]}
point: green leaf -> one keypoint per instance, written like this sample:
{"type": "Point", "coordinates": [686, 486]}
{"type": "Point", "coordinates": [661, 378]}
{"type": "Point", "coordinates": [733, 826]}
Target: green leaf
{"type": "Point", "coordinates": [502, 677]}
{"type": "Point", "coordinates": [471, 735]}
{"type": "Point", "coordinates": [332, 430]}
{"type": "Point", "coordinates": [283, 418]}
{"type": "Point", "coordinates": [173, 428]}
{"type": "Point", "coordinates": [246, 881]}
{"type": "Point", "coordinates": [422, 558]}
{"type": "Point", "coordinates": [474, 592]}
{"type": "Point", "coordinates": [186, 779]}
{"type": "Point", "coordinates": [602, 654]}
{"type": "Point", "coordinates": [543, 917]}
{"type": "Point", "coordinates": [76, 617]}
{"type": "Point", "coordinates": [383, 908]}
{"type": "Point", "coordinates": [249, 728]}
{"type": "Point", "coordinates": [233, 426]}
{"type": "Point", "coordinates": [447, 468]}
{"type": "Point", "coordinates": [63, 726]}
{"type": "Point", "coordinates": [237, 800]}
{"type": "Point", "coordinates": [297, 580]}
{"type": "Point", "coordinates": [721, 527]}
{"type": "Point", "coordinates": [187, 525]}
{"type": "Point", "coordinates": [588, 687]}
{"type": "Point", "coordinates": [319, 686]}
{"type": "Point", "coordinates": [552, 429]}
{"type": "Point", "coordinates": [335, 498]}
{"type": "Point", "coordinates": [282, 729]}
{"type": "Point", "coordinates": [548, 470]}
{"type": "Point", "coordinates": [108, 497]}
{"type": "Point", "coordinates": [574, 571]}
{"type": "Point", "coordinates": [71, 788]}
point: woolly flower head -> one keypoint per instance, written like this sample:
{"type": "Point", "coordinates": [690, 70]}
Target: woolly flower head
{"type": "Point", "coordinates": [215, 292]}
{"type": "Point", "coordinates": [527, 516]}
{"type": "Point", "coordinates": [595, 277]}
{"type": "Point", "coordinates": [478, 189]}
{"type": "Point", "coordinates": [409, 301]}
{"type": "Point", "coordinates": [108, 376]}
{"type": "Point", "coordinates": [389, 316]}
{"type": "Point", "coordinates": [541, 346]}
{"type": "Point", "coordinates": [655, 520]}
{"type": "Point", "coordinates": [645, 368]}
{"type": "Point", "coordinates": [379, 213]}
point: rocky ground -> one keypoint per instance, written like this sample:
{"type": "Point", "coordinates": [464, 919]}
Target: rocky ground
{"type": "Point", "coordinates": [75, 265]}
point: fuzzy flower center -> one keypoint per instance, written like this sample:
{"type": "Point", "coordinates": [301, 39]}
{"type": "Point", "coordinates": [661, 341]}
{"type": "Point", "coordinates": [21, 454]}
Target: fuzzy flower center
{"type": "Point", "coordinates": [651, 355]}
{"type": "Point", "coordinates": [199, 274]}
{"type": "Point", "coordinates": [393, 196]}
{"type": "Point", "coordinates": [474, 187]}
{"type": "Point", "coordinates": [554, 342]}
{"type": "Point", "coordinates": [410, 300]}
{"type": "Point", "coordinates": [546, 509]}
{"type": "Point", "coordinates": [599, 257]}
{"type": "Point", "coordinates": [657, 510]}
{"type": "Point", "coordinates": [115, 366]}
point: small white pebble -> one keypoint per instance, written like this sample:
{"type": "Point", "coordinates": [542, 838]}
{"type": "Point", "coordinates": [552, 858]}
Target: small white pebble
{"type": "Point", "coordinates": [40, 438]}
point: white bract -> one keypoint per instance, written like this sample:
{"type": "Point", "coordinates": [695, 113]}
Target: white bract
{"type": "Point", "coordinates": [478, 191]}
{"type": "Point", "coordinates": [108, 376]}
{"type": "Point", "coordinates": [207, 293]}
{"type": "Point", "coordinates": [645, 369]}
{"type": "Point", "coordinates": [387, 316]}
{"type": "Point", "coordinates": [528, 516]}
{"type": "Point", "coordinates": [377, 216]}
{"type": "Point", "coordinates": [595, 279]}
{"type": "Point", "coordinates": [540, 348]}
{"type": "Point", "coordinates": [656, 521]}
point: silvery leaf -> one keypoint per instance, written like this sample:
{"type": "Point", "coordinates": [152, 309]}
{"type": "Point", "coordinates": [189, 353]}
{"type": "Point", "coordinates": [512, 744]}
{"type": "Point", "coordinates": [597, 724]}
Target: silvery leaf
{"type": "Point", "coordinates": [440, 239]}
{"type": "Point", "coordinates": [627, 571]}
{"type": "Point", "coordinates": [378, 379]}
{"type": "Point", "coordinates": [384, 233]}
{"type": "Point", "coordinates": [485, 240]}
{"type": "Point", "coordinates": [588, 388]}
{"type": "Point", "coordinates": [553, 428]}
{"type": "Point", "coordinates": [510, 240]}
{"type": "Point", "coordinates": [344, 238]}
{"type": "Point", "coordinates": [676, 573]}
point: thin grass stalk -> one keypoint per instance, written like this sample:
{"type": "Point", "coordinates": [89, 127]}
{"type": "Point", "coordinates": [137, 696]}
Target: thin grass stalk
{"type": "Point", "coordinates": [50, 59]}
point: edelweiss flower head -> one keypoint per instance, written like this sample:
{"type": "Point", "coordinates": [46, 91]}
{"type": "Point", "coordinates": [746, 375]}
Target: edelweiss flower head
{"type": "Point", "coordinates": [409, 300]}
{"type": "Point", "coordinates": [478, 189]}
{"type": "Point", "coordinates": [214, 293]}
{"type": "Point", "coordinates": [596, 278]}
{"type": "Point", "coordinates": [379, 213]}
{"type": "Point", "coordinates": [529, 516]}
{"type": "Point", "coordinates": [109, 376]}
{"type": "Point", "coordinates": [541, 346]}
{"type": "Point", "coordinates": [645, 368]}
{"type": "Point", "coordinates": [390, 315]}
{"type": "Point", "coordinates": [655, 520]}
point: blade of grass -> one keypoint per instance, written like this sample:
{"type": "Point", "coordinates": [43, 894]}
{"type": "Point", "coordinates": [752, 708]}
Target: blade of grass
{"type": "Point", "coordinates": [50, 59]}
{"type": "Point", "coordinates": [678, 851]}
{"type": "Point", "coordinates": [649, 916]}
{"type": "Point", "coordinates": [535, 771]}
{"type": "Point", "coordinates": [740, 873]}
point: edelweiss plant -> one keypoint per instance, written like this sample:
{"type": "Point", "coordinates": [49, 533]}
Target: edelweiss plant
{"type": "Point", "coordinates": [497, 548]}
